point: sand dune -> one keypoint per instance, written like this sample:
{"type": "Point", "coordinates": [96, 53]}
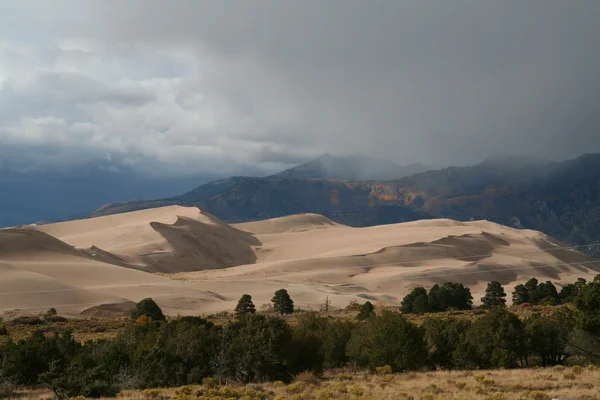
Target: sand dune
{"type": "Point", "coordinates": [113, 259]}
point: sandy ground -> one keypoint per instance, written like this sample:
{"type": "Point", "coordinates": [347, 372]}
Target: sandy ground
{"type": "Point", "coordinates": [193, 263]}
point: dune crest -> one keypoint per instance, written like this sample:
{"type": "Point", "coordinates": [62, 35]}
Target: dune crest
{"type": "Point", "coordinates": [208, 264]}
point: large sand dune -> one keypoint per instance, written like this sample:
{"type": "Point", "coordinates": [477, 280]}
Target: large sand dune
{"type": "Point", "coordinates": [209, 264]}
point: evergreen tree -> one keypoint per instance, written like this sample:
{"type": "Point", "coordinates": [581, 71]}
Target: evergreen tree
{"type": "Point", "coordinates": [388, 339]}
{"type": "Point", "coordinates": [421, 305]}
{"type": "Point", "coordinates": [532, 292]}
{"type": "Point", "coordinates": [496, 340]}
{"type": "Point", "coordinates": [438, 298]}
{"type": "Point", "coordinates": [546, 293]}
{"type": "Point", "coordinates": [245, 305]}
{"type": "Point", "coordinates": [149, 308]}
{"type": "Point", "coordinates": [408, 303]}
{"type": "Point", "coordinates": [367, 310]}
{"type": "Point", "coordinates": [443, 336]}
{"type": "Point", "coordinates": [548, 335]}
{"type": "Point", "coordinates": [282, 302]}
{"type": "Point", "coordinates": [520, 295]}
{"type": "Point", "coordinates": [459, 297]}
{"type": "Point", "coordinates": [334, 347]}
{"type": "Point", "coordinates": [494, 296]}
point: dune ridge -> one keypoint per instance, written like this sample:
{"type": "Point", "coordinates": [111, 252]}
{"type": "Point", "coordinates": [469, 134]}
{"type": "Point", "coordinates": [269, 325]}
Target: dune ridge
{"type": "Point", "coordinates": [191, 262]}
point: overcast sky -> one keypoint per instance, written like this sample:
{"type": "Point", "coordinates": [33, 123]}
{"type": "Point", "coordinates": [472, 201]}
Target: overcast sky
{"type": "Point", "coordinates": [224, 85]}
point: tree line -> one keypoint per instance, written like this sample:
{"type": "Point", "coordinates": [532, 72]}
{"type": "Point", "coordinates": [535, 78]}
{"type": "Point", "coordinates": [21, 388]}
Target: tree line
{"type": "Point", "coordinates": [156, 352]}
{"type": "Point", "coordinates": [454, 296]}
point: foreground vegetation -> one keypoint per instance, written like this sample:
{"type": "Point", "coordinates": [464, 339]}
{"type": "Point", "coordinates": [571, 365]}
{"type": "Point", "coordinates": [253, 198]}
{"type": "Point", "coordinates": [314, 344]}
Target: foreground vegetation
{"type": "Point", "coordinates": [156, 352]}
{"type": "Point", "coordinates": [524, 384]}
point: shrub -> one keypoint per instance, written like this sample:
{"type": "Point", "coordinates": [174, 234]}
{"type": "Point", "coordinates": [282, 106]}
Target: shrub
{"type": "Point", "coordinates": [151, 394]}
{"type": "Point", "coordinates": [385, 370]}
{"type": "Point", "coordinates": [184, 391]}
{"type": "Point", "coordinates": [356, 390]}
{"type": "Point", "coordinates": [307, 377]}
{"type": "Point", "coordinates": [3, 330]}
{"type": "Point", "coordinates": [569, 376]}
{"type": "Point", "coordinates": [27, 320]}
{"type": "Point", "coordinates": [539, 395]}
{"type": "Point", "coordinates": [56, 319]}
{"type": "Point", "coordinates": [149, 308]}
{"type": "Point", "coordinates": [577, 369]}
{"type": "Point", "coordinates": [296, 387]}
{"type": "Point", "coordinates": [209, 382]}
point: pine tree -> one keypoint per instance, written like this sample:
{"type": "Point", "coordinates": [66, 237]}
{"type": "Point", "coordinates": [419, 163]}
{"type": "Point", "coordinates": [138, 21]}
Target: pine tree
{"type": "Point", "coordinates": [149, 308]}
{"type": "Point", "coordinates": [282, 302]}
{"type": "Point", "coordinates": [245, 305]}
{"type": "Point", "coordinates": [366, 311]}
{"type": "Point", "coordinates": [494, 296]}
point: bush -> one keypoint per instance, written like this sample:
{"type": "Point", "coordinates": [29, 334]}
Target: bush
{"type": "Point", "coordinates": [149, 308]}
{"type": "Point", "coordinates": [307, 377]}
{"type": "Point", "coordinates": [3, 330]}
{"type": "Point", "coordinates": [56, 319]}
{"type": "Point", "coordinates": [27, 320]}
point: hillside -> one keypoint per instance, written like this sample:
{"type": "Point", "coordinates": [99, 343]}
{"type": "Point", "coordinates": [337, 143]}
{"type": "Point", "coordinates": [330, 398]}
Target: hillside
{"type": "Point", "coordinates": [351, 169]}
{"type": "Point", "coordinates": [80, 264]}
{"type": "Point", "coordinates": [560, 199]}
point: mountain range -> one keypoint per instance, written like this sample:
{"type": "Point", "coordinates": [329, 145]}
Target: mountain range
{"type": "Point", "coordinates": [562, 199]}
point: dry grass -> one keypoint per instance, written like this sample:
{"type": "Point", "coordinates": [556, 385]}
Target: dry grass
{"type": "Point", "coordinates": [83, 330]}
{"type": "Point", "coordinates": [525, 384]}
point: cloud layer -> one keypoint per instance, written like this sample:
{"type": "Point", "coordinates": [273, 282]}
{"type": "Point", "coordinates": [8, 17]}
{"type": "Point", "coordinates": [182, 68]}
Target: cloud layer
{"type": "Point", "coordinates": [232, 86]}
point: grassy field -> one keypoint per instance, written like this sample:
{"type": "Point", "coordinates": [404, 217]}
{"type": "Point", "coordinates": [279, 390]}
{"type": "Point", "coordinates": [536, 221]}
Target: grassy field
{"type": "Point", "coordinates": [582, 383]}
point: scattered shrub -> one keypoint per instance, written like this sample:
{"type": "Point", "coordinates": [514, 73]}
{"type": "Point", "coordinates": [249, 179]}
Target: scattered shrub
{"type": "Point", "coordinates": [385, 370]}
{"type": "Point", "coordinates": [27, 320]}
{"type": "Point", "coordinates": [307, 377]}
{"type": "Point", "coordinates": [297, 387]}
{"type": "Point", "coordinates": [56, 319]}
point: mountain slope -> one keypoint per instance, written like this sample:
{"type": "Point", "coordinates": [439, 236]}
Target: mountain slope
{"type": "Point", "coordinates": [560, 199]}
{"type": "Point", "coordinates": [351, 169]}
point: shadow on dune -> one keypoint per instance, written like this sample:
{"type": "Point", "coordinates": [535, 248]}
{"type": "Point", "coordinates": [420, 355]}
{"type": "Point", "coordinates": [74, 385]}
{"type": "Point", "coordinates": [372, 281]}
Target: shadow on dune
{"type": "Point", "coordinates": [570, 258]}
{"type": "Point", "coordinates": [198, 245]}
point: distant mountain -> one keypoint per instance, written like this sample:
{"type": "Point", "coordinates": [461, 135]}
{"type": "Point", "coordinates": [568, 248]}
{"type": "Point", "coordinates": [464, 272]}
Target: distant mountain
{"type": "Point", "coordinates": [37, 196]}
{"type": "Point", "coordinates": [351, 169]}
{"type": "Point", "coordinates": [560, 199]}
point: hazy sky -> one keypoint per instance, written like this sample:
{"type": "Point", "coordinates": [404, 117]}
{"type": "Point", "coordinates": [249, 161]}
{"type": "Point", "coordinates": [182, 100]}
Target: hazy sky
{"type": "Point", "coordinates": [224, 85]}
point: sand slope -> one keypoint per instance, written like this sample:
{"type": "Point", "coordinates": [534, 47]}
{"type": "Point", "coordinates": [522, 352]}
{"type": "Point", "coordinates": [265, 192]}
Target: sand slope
{"type": "Point", "coordinates": [80, 264]}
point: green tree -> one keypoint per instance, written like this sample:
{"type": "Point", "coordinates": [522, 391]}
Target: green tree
{"type": "Point", "coordinates": [366, 311]}
{"type": "Point", "coordinates": [568, 293]}
{"type": "Point", "coordinates": [282, 302]}
{"type": "Point", "coordinates": [388, 339]}
{"type": "Point", "coordinates": [308, 337]}
{"type": "Point", "coordinates": [494, 296]}
{"type": "Point", "coordinates": [334, 347]}
{"type": "Point", "coordinates": [421, 305]}
{"type": "Point", "coordinates": [520, 295]}
{"type": "Point", "coordinates": [443, 336]}
{"type": "Point", "coordinates": [438, 298]}
{"type": "Point", "coordinates": [496, 340]}
{"type": "Point", "coordinates": [588, 305]}
{"type": "Point", "coordinates": [408, 303]}
{"type": "Point", "coordinates": [245, 305]}
{"type": "Point", "coordinates": [546, 293]}
{"type": "Point", "coordinates": [450, 296]}
{"type": "Point", "coordinates": [531, 285]}
{"type": "Point", "coordinates": [259, 349]}
{"type": "Point", "coordinates": [547, 335]}
{"type": "Point", "coordinates": [149, 308]}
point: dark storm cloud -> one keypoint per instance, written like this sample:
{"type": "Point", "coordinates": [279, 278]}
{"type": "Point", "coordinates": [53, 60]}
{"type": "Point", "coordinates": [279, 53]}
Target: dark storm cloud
{"type": "Point", "coordinates": [436, 82]}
